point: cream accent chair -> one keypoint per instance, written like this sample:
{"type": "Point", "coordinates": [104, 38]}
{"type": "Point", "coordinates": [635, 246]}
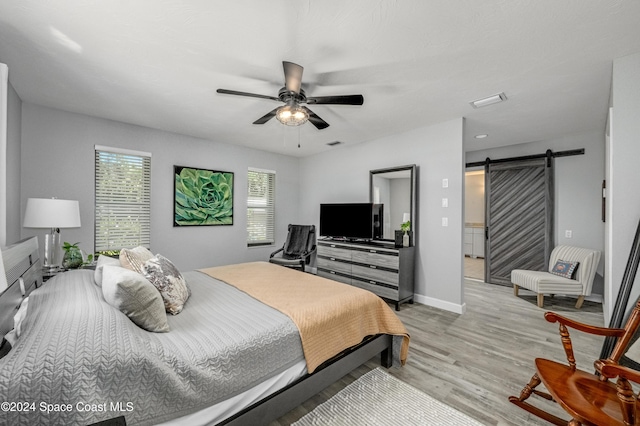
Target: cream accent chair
{"type": "Point", "coordinates": [543, 282]}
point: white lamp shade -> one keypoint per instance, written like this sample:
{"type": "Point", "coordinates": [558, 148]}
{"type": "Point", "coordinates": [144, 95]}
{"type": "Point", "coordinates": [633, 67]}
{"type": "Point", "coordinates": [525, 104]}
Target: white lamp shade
{"type": "Point", "coordinates": [406, 217]}
{"type": "Point", "coordinates": [51, 213]}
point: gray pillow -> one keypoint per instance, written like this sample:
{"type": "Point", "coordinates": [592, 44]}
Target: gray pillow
{"type": "Point", "coordinates": [103, 260]}
{"type": "Point", "coordinates": [169, 281]}
{"type": "Point", "coordinates": [133, 295]}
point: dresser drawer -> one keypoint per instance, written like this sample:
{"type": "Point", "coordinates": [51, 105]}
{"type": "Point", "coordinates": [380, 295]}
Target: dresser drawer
{"type": "Point", "coordinates": [372, 273]}
{"type": "Point", "coordinates": [334, 265]}
{"type": "Point", "coordinates": [373, 257]}
{"type": "Point", "coordinates": [333, 251]}
{"type": "Point", "coordinates": [332, 275]}
{"type": "Point", "coordinates": [382, 291]}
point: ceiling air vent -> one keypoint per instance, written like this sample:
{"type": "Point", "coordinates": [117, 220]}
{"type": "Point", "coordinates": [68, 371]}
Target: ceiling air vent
{"type": "Point", "coordinates": [479, 103]}
{"type": "Point", "coordinates": [334, 143]}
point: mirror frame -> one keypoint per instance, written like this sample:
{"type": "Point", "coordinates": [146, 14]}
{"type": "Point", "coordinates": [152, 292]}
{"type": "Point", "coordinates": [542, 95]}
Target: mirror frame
{"type": "Point", "coordinates": [622, 310]}
{"type": "Point", "coordinates": [413, 178]}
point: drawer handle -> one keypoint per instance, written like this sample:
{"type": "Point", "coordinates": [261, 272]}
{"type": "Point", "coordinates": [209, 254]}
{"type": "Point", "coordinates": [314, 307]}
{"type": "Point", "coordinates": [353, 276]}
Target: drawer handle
{"type": "Point", "coordinates": [372, 266]}
{"type": "Point", "coordinates": [373, 282]}
{"type": "Point", "coordinates": [372, 251]}
{"type": "Point", "coordinates": [332, 245]}
{"type": "Point", "coordinates": [332, 258]}
{"type": "Point", "coordinates": [332, 272]}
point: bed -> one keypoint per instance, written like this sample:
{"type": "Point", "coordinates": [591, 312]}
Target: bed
{"type": "Point", "coordinates": [227, 359]}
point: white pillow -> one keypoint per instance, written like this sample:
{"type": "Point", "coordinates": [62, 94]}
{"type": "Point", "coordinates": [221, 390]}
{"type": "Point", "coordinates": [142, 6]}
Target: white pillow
{"type": "Point", "coordinates": [133, 295]}
{"type": "Point", "coordinates": [14, 334]}
{"type": "Point", "coordinates": [103, 260]}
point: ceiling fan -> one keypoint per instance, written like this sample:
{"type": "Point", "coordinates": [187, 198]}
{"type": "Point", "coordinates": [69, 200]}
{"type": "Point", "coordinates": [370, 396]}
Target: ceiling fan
{"type": "Point", "coordinates": [293, 113]}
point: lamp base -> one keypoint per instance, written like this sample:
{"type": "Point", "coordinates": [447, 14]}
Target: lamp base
{"type": "Point", "coordinates": [52, 251]}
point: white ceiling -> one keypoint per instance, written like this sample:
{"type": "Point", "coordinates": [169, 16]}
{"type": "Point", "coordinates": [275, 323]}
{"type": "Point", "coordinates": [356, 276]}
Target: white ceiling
{"type": "Point", "coordinates": [158, 63]}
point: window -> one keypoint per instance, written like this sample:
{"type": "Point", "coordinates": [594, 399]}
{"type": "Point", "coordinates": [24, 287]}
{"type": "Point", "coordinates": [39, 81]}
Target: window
{"type": "Point", "coordinates": [123, 199]}
{"type": "Point", "coordinates": [261, 207]}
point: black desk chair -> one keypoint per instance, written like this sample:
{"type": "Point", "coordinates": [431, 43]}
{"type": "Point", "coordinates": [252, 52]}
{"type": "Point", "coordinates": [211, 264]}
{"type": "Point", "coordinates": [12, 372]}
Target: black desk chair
{"type": "Point", "coordinates": [297, 250]}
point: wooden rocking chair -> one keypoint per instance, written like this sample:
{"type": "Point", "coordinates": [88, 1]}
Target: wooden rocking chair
{"type": "Point", "coordinates": [590, 399]}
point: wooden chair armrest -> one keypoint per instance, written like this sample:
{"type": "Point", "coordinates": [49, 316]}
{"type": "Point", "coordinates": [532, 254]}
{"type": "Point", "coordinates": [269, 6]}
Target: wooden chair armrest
{"type": "Point", "coordinates": [599, 331]}
{"type": "Point", "coordinates": [614, 370]}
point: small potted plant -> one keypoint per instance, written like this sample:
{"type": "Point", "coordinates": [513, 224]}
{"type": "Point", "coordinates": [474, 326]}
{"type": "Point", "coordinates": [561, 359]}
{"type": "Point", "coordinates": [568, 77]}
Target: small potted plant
{"type": "Point", "coordinates": [405, 227]}
{"type": "Point", "coordinates": [73, 257]}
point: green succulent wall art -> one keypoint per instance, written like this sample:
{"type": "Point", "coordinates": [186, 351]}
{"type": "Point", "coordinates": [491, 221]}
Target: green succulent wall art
{"type": "Point", "coordinates": [202, 197]}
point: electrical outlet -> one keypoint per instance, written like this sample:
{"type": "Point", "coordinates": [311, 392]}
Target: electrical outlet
{"type": "Point", "coordinates": [445, 221]}
{"type": "Point", "coordinates": [445, 183]}
{"type": "Point", "coordinates": [445, 202]}
{"type": "Point", "coordinates": [568, 233]}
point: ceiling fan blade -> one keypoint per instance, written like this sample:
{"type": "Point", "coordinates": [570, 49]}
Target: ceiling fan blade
{"type": "Point", "coordinates": [268, 116]}
{"type": "Point", "coordinates": [251, 95]}
{"type": "Point", "coordinates": [336, 100]}
{"type": "Point", "coordinates": [315, 120]}
{"type": "Point", "coordinates": [292, 76]}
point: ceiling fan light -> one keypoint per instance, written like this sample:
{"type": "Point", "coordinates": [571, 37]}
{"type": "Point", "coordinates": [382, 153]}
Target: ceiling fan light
{"type": "Point", "coordinates": [292, 115]}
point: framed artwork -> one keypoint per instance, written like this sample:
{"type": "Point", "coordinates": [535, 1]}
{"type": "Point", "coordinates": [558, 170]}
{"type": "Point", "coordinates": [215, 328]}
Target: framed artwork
{"type": "Point", "coordinates": [202, 197]}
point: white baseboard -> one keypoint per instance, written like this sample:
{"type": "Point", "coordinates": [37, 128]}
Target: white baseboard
{"type": "Point", "coordinates": [441, 304]}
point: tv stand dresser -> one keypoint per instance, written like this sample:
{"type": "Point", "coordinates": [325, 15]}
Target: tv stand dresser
{"type": "Point", "coordinates": [375, 266]}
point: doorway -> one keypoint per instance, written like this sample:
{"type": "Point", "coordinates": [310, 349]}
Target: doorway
{"type": "Point", "coordinates": [474, 225]}
{"type": "Point", "coordinates": [519, 217]}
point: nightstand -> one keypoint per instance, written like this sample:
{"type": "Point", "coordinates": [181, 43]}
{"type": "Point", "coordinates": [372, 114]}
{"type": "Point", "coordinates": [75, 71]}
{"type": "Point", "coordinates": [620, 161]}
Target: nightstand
{"type": "Point", "coordinates": [47, 274]}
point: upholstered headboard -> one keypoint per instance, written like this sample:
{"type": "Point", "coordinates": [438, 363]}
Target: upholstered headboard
{"type": "Point", "coordinates": [23, 272]}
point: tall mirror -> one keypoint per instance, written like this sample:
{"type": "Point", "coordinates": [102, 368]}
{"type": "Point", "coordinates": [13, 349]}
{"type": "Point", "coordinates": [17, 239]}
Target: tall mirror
{"type": "Point", "coordinates": [395, 189]}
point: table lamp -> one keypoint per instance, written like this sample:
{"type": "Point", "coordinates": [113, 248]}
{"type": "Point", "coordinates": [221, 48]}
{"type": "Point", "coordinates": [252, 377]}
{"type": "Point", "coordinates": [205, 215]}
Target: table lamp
{"type": "Point", "coordinates": [54, 214]}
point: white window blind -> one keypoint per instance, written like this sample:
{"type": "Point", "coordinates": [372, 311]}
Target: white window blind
{"type": "Point", "coordinates": [123, 199]}
{"type": "Point", "coordinates": [261, 207]}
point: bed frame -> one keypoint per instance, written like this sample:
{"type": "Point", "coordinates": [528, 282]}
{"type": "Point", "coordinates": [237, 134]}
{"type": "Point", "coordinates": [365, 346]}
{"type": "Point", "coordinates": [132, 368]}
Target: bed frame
{"type": "Point", "coordinates": [288, 398]}
{"type": "Point", "coordinates": [24, 274]}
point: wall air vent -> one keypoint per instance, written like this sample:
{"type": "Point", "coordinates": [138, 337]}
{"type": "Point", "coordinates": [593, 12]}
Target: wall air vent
{"type": "Point", "coordinates": [334, 143]}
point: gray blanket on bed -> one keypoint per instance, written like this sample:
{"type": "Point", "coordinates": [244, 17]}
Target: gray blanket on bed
{"type": "Point", "coordinates": [78, 350]}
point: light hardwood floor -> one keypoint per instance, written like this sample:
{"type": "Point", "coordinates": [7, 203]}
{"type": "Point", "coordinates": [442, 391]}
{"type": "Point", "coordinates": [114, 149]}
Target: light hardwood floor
{"type": "Point", "coordinates": [475, 361]}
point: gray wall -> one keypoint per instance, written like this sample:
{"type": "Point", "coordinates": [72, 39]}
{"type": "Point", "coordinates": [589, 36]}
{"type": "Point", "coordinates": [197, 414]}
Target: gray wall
{"type": "Point", "coordinates": [623, 177]}
{"type": "Point", "coordinates": [14, 128]}
{"type": "Point", "coordinates": [578, 183]}
{"type": "Point", "coordinates": [342, 175]}
{"type": "Point", "coordinates": [58, 160]}
{"type": "Point", "coordinates": [474, 198]}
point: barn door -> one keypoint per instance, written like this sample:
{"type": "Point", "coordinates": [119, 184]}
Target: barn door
{"type": "Point", "coordinates": [519, 217]}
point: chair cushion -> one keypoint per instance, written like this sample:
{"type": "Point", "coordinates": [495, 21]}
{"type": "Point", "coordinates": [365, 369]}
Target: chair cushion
{"type": "Point", "coordinates": [566, 269]}
{"type": "Point", "coordinates": [297, 240]}
{"type": "Point", "coordinates": [544, 282]}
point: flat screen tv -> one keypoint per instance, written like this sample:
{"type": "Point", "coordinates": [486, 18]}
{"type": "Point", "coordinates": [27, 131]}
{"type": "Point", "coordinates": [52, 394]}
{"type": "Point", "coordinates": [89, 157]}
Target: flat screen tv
{"type": "Point", "coordinates": [351, 221]}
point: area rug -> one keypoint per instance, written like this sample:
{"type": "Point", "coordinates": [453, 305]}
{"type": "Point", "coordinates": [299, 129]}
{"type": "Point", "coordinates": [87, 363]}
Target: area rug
{"type": "Point", "coordinates": [378, 398]}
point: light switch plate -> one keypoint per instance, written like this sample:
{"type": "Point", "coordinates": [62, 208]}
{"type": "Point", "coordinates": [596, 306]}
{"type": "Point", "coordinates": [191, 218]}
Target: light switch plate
{"type": "Point", "coordinates": [445, 202]}
{"type": "Point", "coordinates": [445, 183]}
{"type": "Point", "coordinates": [445, 221]}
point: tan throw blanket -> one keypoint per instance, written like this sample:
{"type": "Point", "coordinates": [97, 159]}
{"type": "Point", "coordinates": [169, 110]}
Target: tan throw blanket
{"type": "Point", "coordinates": [331, 316]}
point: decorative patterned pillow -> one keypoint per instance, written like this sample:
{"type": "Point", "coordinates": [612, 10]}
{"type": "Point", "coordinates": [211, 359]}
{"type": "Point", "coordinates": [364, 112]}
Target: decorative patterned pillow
{"type": "Point", "coordinates": [169, 281]}
{"type": "Point", "coordinates": [565, 269]}
{"type": "Point", "coordinates": [102, 261]}
{"type": "Point", "coordinates": [133, 295]}
{"type": "Point", "coordinates": [134, 258]}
